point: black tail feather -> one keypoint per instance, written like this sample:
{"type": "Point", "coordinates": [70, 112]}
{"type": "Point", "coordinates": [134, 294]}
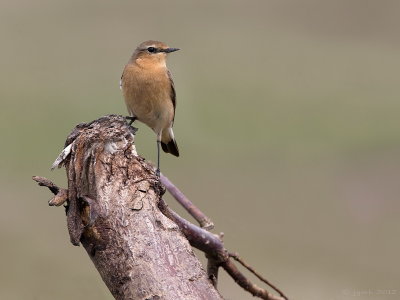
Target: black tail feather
{"type": "Point", "coordinates": [170, 147]}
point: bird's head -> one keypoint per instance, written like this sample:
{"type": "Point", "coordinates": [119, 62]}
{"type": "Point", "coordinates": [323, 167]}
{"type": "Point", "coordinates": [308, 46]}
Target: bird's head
{"type": "Point", "coordinates": [152, 52]}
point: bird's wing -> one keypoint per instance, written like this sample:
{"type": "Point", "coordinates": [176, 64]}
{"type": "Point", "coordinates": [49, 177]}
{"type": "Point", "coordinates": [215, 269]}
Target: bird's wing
{"type": "Point", "coordinates": [173, 93]}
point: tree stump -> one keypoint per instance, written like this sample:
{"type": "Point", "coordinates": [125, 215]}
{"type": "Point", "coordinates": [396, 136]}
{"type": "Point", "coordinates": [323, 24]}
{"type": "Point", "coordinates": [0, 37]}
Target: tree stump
{"type": "Point", "coordinates": [113, 212]}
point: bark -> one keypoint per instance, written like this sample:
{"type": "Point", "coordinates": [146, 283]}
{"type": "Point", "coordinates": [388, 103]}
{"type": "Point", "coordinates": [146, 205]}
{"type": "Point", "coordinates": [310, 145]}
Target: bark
{"type": "Point", "coordinates": [113, 197]}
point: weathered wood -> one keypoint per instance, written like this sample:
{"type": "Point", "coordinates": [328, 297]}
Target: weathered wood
{"type": "Point", "coordinates": [113, 211]}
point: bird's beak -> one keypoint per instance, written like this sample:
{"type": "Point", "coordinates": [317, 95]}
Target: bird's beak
{"type": "Point", "coordinates": [169, 50]}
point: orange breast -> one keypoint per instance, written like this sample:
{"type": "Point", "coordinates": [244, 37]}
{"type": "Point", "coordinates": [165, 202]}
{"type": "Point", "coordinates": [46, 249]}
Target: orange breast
{"type": "Point", "coordinates": [147, 92]}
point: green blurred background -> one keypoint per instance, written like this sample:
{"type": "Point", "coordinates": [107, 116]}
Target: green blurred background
{"type": "Point", "coordinates": [287, 122]}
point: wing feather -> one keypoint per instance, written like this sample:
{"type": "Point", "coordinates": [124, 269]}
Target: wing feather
{"type": "Point", "coordinates": [173, 93]}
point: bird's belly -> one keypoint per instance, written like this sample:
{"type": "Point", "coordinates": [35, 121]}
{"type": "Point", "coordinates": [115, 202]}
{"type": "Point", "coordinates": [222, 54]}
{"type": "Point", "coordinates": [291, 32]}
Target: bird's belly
{"type": "Point", "coordinates": [150, 105]}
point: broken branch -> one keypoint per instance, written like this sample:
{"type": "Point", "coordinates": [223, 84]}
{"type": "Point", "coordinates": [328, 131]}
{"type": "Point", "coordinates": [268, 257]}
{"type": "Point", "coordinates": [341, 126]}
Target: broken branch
{"type": "Point", "coordinates": [193, 210]}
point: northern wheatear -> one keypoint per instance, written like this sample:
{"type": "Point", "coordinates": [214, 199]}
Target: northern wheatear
{"type": "Point", "coordinates": [149, 93]}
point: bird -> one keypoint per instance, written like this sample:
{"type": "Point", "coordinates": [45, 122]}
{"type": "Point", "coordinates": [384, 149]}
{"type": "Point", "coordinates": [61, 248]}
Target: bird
{"type": "Point", "coordinates": [149, 93]}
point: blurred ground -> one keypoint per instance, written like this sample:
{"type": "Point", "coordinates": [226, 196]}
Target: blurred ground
{"type": "Point", "coordinates": [287, 121]}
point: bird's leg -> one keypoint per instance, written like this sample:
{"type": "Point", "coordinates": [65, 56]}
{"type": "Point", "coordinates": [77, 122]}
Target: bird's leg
{"type": "Point", "coordinates": [158, 158]}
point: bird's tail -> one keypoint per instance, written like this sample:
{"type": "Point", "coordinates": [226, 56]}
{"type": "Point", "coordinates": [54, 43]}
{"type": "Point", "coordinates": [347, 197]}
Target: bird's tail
{"type": "Point", "coordinates": [168, 142]}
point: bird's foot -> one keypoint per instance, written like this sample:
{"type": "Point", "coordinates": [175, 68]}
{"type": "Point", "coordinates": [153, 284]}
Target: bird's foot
{"type": "Point", "coordinates": [130, 119]}
{"type": "Point", "coordinates": [158, 173]}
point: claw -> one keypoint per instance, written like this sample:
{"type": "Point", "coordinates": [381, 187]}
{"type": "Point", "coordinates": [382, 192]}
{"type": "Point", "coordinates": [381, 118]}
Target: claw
{"type": "Point", "coordinates": [131, 119]}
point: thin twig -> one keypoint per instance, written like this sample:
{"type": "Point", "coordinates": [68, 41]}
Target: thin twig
{"type": "Point", "coordinates": [246, 284]}
{"type": "Point", "coordinates": [47, 183]}
{"type": "Point", "coordinates": [204, 221]}
{"type": "Point", "coordinates": [236, 257]}
{"type": "Point", "coordinates": [60, 194]}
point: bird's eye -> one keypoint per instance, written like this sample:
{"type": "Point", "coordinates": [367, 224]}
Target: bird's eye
{"type": "Point", "coordinates": [151, 49]}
